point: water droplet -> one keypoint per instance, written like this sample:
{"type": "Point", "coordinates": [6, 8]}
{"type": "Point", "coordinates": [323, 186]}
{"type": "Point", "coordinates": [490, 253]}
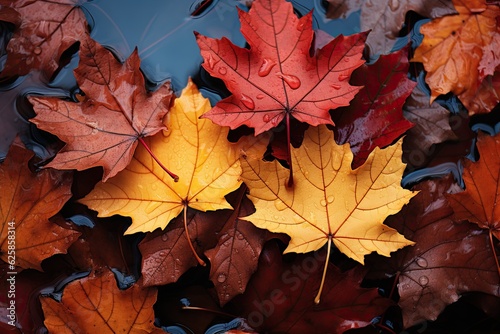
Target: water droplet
{"type": "Point", "coordinates": [178, 262]}
{"type": "Point", "coordinates": [300, 26]}
{"type": "Point", "coordinates": [330, 199]}
{"type": "Point", "coordinates": [260, 96]}
{"type": "Point", "coordinates": [423, 280]}
{"type": "Point", "coordinates": [369, 3]}
{"type": "Point", "coordinates": [343, 77]}
{"type": "Point", "coordinates": [266, 67]}
{"type": "Point", "coordinates": [211, 61]}
{"type": "Point", "coordinates": [335, 86]}
{"type": "Point", "coordinates": [240, 236]}
{"type": "Point", "coordinates": [291, 80]}
{"type": "Point", "coordinates": [247, 102]}
{"type": "Point", "coordinates": [222, 70]}
{"type": "Point", "coordinates": [164, 237]}
{"type": "Point", "coordinates": [221, 278]}
{"type": "Point", "coordinates": [422, 262]}
{"type": "Point", "coordinates": [394, 5]}
{"type": "Point", "coordinates": [37, 50]}
{"type": "Point", "coordinates": [322, 202]}
{"type": "Point", "coordinates": [162, 253]}
{"type": "Point", "coordinates": [266, 118]}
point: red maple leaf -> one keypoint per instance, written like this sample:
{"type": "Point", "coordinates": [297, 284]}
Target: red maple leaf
{"type": "Point", "coordinates": [277, 76]}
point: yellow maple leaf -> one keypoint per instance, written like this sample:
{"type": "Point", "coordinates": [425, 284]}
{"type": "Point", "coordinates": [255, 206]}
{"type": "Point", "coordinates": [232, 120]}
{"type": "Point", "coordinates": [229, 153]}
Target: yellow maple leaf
{"type": "Point", "coordinates": [329, 201]}
{"type": "Point", "coordinates": [455, 45]}
{"type": "Point", "coordinates": [197, 150]}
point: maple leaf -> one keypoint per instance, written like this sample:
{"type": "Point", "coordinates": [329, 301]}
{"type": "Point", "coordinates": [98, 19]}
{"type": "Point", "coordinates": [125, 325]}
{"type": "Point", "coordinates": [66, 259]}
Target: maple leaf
{"type": "Point", "coordinates": [277, 77]}
{"type": "Point", "coordinates": [103, 130]}
{"type": "Point", "coordinates": [448, 259]}
{"type": "Point", "coordinates": [28, 201]}
{"type": "Point", "coordinates": [454, 46]}
{"type": "Point", "coordinates": [375, 118]}
{"type": "Point", "coordinates": [385, 18]}
{"type": "Point", "coordinates": [44, 31]}
{"type": "Point", "coordinates": [432, 123]}
{"type": "Point", "coordinates": [235, 257]}
{"type": "Point", "coordinates": [478, 203]}
{"type": "Point", "coordinates": [278, 297]}
{"type": "Point", "coordinates": [95, 304]}
{"type": "Point", "coordinates": [330, 201]}
{"type": "Point", "coordinates": [208, 167]}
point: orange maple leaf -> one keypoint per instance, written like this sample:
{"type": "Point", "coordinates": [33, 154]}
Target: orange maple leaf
{"type": "Point", "coordinates": [95, 305]}
{"type": "Point", "coordinates": [27, 202]}
{"type": "Point", "coordinates": [454, 47]}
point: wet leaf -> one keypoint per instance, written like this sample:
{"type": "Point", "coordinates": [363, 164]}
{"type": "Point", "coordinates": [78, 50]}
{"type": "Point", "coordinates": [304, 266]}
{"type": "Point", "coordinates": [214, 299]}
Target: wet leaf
{"type": "Point", "coordinates": [478, 203]}
{"type": "Point", "coordinates": [432, 123]}
{"type": "Point", "coordinates": [95, 305]}
{"type": "Point", "coordinates": [385, 18]}
{"type": "Point", "coordinates": [235, 257]}
{"type": "Point", "coordinates": [27, 202]}
{"type": "Point", "coordinates": [329, 200]}
{"type": "Point", "coordinates": [44, 31]}
{"type": "Point", "coordinates": [279, 297]}
{"type": "Point", "coordinates": [454, 46]}
{"type": "Point", "coordinates": [277, 77]}
{"type": "Point", "coordinates": [207, 164]}
{"type": "Point", "coordinates": [375, 117]}
{"type": "Point", "coordinates": [448, 259]}
{"type": "Point", "coordinates": [117, 111]}
{"type": "Point", "coordinates": [164, 252]}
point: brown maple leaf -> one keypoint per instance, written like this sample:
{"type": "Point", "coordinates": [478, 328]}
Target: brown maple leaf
{"type": "Point", "coordinates": [116, 113]}
{"type": "Point", "coordinates": [44, 30]}
{"type": "Point", "coordinates": [448, 259]}
{"type": "Point", "coordinates": [27, 202]}
{"type": "Point", "coordinates": [95, 305]}
{"type": "Point", "coordinates": [478, 203]}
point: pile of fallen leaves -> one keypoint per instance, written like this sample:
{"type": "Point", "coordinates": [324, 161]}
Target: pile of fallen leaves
{"type": "Point", "coordinates": [163, 213]}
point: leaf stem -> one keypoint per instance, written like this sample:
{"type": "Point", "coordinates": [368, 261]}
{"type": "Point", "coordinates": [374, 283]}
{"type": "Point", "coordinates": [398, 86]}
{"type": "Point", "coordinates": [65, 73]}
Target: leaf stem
{"type": "Point", "coordinates": [494, 252]}
{"type": "Point", "coordinates": [289, 150]}
{"type": "Point", "coordinates": [172, 175]}
{"type": "Point", "coordinates": [200, 261]}
{"type": "Point", "coordinates": [329, 247]}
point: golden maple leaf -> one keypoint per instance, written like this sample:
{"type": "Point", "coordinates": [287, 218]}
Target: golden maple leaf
{"type": "Point", "coordinates": [454, 49]}
{"type": "Point", "coordinates": [329, 201]}
{"type": "Point", "coordinates": [207, 164]}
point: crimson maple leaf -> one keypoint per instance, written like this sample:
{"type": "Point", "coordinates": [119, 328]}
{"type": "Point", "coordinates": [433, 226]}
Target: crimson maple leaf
{"type": "Point", "coordinates": [277, 76]}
